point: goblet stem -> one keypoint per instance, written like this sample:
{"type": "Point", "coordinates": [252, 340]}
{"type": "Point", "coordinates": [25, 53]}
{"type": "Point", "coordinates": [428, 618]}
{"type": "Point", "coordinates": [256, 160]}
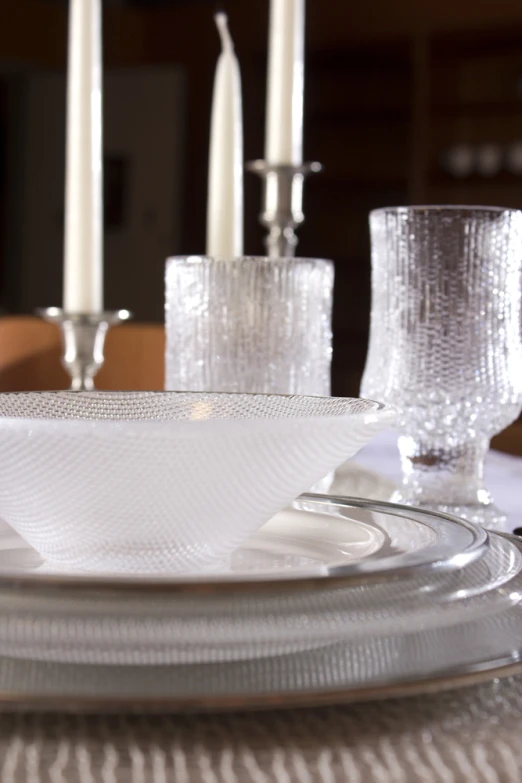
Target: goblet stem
{"type": "Point", "coordinates": [448, 479]}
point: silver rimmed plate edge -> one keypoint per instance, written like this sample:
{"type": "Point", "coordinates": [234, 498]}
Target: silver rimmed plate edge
{"type": "Point", "coordinates": [363, 572]}
{"type": "Point", "coordinates": [447, 679]}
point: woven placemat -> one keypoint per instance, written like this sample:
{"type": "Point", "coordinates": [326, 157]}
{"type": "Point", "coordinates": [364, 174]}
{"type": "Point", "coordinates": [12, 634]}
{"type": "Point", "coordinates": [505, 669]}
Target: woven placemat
{"type": "Point", "coordinates": [471, 734]}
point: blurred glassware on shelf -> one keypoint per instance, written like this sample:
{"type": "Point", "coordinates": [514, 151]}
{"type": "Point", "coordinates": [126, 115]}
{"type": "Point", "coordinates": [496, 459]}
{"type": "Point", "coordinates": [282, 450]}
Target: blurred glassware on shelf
{"type": "Point", "coordinates": [514, 158]}
{"type": "Point", "coordinates": [459, 160]}
{"type": "Point", "coordinates": [489, 159]}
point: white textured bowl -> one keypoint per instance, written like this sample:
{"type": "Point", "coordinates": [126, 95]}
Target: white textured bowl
{"type": "Point", "coordinates": [164, 481]}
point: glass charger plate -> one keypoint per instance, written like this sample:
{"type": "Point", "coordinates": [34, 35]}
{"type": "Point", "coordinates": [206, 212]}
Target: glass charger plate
{"type": "Point", "coordinates": [358, 670]}
{"type": "Point", "coordinates": [106, 626]}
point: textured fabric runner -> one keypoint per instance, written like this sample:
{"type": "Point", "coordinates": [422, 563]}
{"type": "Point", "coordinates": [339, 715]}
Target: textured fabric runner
{"type": "Point", "coordinates": [461, 736]}
{"type": "Point", "coordinates": [473, 734]}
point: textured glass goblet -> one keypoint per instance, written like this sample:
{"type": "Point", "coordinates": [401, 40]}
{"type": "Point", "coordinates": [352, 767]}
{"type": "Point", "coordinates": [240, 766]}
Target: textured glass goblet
{"type": "Point", "coordinates": [445, 345]}
{"type": "Point", "coordinates": [249, 324]}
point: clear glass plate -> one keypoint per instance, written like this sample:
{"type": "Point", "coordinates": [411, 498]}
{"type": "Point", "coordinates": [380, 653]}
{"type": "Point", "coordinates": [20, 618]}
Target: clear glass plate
{"type": "Point", "coordinates": [371, 668]}
{"type": "Point", "coordinates": [58, 618]}
{"type": "Point", "coordinates": [320, 538]}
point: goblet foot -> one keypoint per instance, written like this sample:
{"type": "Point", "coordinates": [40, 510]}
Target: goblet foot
{"type": "Point", "coordinates": [448, 479]}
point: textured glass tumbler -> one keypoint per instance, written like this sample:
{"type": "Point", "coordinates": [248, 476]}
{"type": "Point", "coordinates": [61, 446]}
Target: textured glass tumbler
{"type": "Point", "coordinates": [249, 324]}
{"type": "Point", "coordinates": [445, 345]}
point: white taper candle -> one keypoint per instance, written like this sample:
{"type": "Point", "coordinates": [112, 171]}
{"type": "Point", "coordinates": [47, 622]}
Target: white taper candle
{"type": "Point", "coordinates": [83, 245]}
{"type": "Point", "coordinates": [284, 110]}
{"type": "Point", "coordinates": [225, 175]}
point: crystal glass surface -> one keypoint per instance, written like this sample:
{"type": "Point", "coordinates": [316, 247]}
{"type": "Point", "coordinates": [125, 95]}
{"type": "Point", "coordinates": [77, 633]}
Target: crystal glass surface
{"type": "Point", "coordinates": [164, 481]}
{"type": "Point", "coordinates": [249, 324]}
{"type": "Point", "coordinates": [149, 622]}
{"type": "Point", "coordinates": [370, 667]}
{"type": "Point", "coordinates": [445, 345]}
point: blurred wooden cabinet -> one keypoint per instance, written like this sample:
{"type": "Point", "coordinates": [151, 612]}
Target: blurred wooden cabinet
{"type": "Point", "coordinates": [390, 87]}
{"type": "Point", "coordinates": [381, 119]}
{"type": "Point", "coordinates": [476, 99]}
{"type": "Point", "coordinates": [359, 125]}
{"type": "Point", "coordinates": [144, 146]}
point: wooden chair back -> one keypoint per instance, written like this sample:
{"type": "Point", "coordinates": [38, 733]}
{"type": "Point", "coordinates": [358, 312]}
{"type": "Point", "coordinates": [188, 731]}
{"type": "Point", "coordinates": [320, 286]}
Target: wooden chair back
{"type": "Point", "coordinates": [30, 351]}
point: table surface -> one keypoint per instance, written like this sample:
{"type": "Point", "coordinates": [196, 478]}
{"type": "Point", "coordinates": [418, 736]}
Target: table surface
{"type": "Point", "coordinates": [470, 734]}
{"type": "Point", "coordinates": [473, 734]}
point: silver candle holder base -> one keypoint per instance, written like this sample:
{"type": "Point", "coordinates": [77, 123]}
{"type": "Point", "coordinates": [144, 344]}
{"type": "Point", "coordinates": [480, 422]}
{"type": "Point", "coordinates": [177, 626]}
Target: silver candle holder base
{"type": "Point", "coordinates": [283, 203]}
{"type": "Point", "coordinates": [83, 339]}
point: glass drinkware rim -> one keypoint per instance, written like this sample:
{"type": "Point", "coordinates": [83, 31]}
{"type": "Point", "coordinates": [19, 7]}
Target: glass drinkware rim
{"type": "Point", "coordinates": [199, 257]}
{"type": "Point", "coordinates": [442, 208]}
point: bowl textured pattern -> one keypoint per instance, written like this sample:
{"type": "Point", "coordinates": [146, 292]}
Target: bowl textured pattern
{"type": "Point", "coordinates": [158, 482]}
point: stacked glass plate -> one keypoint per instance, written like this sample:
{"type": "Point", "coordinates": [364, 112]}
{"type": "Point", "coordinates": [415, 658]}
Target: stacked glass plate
{"type": "Point", "coordinates": [333, 599]}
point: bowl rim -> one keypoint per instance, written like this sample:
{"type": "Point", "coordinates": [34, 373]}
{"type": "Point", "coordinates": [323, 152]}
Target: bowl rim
{"type": "Point", "coordinates": [380, 410]}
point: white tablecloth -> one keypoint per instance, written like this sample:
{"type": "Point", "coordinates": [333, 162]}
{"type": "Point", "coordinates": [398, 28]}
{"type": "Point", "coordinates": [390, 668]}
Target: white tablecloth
{"type": "Point", "coordinates": [503, 475]}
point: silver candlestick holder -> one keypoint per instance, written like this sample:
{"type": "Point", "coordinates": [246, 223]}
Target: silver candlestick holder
{"type": "Point", "coordinates": [283, 203]}
{"type": "Point", "coordinates": [83, 340]}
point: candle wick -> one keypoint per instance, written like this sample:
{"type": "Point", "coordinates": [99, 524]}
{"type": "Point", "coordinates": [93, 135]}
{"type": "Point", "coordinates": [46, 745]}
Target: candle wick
{"type": "Point", "coordinates": [221, 21]}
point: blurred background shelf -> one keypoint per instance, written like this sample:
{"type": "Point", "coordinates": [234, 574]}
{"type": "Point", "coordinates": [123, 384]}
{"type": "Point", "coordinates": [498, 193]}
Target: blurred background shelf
{"type": "Point", "coordinates": [391, 90]}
